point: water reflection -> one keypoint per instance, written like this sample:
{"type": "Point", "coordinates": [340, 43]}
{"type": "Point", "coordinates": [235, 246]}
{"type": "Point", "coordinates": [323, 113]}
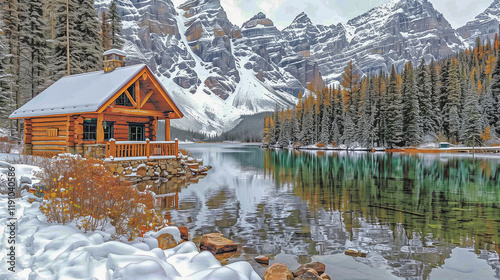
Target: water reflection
{"type": "Point", "coordinates": [408, 212]}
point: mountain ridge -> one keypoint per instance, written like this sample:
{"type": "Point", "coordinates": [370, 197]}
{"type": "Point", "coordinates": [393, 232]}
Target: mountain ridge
{"type": "Point", "coordinates": [219, 71]}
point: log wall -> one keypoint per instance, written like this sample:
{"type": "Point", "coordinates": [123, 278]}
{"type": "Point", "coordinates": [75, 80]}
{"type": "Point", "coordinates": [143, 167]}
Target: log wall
{"type": "Point", "coordinates": [52, 135]}
{"type": "Point", "coordinates": [47, 135]}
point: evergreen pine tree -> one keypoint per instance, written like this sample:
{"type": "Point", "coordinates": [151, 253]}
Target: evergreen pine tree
{"type": "Point", "coordinates": [105, 31]}
{"type": "Point", "coordinates": [367, 113]}
{"type": "Point", "coordinates": [59, 66]}
{"type": "Point", "coordinates": [5, 102]}
{"type": "Point", "coordinates": [307, 128]}
{"type": "Point", "coordinates": [412, 130]}
{"type": "Point", "coordinates": [435, 90]}
{"type": "Point", "coordinates": [495, 92]}
{"type": "Point", "coordinates": [423, 83]}
{"type": "Point", "coordinates": [34, 49]}
{"type": "Point", "coordinates": [394, 122]}
{"type": "Point", "coordinates": [115, 31]}
{"type": "Point", "coordinates": [10, 28]}
{"type": "Point", "coordinates": [452, 118]}
{"type": "Point", "coordinates": [471, 125]}
{"type": "Point", "coordinates": [89, 43]}
{"type": "Point", "coordinates": [325, 124]}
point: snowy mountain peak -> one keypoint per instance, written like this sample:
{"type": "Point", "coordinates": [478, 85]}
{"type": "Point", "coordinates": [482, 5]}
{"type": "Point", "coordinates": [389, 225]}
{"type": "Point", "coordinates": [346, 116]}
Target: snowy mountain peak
{"type": "Point", "coordinates": [302, 18]}
{"type": "Point", "coordinates": [485, 25]}
{"type": "Point", "coordinates": [259, 18]}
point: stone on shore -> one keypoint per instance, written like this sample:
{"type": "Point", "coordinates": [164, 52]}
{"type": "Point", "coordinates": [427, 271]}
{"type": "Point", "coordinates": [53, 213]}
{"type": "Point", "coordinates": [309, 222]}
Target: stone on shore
{"type": "Point", "coordinates": [262, 260]}
{"type": "Point", "coordinates": [325, 276]}
{"type": "Point", "coordinates": [166, 241]}
{"type": "Point", "coordinates": [355, 253]}
{"type": "Point", "coordinates": [278, 271]}
{"type": "Point", "coordinates": [216, 244]}
{"type": "Point", "coordinates": [316, 266]}
{"type": "Point", "coordinates": [311, 274]}
{"type": "Point", "coordinates": [184, 233]}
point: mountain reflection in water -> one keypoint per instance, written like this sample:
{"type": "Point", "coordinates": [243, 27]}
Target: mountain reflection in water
{"type": "Point", "coordinates": [412, 213]}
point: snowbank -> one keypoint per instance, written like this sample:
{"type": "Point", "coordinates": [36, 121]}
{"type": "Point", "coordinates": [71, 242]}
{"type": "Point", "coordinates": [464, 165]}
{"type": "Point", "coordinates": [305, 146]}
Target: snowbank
{"type": "Point", "coordinates": [53, 251]}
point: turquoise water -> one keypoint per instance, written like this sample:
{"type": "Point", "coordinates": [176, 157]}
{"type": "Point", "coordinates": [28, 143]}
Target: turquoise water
{"type": "Point", "coordinates": [417, 216]}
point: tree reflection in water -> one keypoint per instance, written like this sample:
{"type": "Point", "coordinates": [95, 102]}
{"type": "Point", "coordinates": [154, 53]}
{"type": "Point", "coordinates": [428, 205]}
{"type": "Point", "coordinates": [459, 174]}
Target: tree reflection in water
{"type": "Point", "coordinates": [430, 203]}
{"type": "Point", "coordinates": [408, 211]}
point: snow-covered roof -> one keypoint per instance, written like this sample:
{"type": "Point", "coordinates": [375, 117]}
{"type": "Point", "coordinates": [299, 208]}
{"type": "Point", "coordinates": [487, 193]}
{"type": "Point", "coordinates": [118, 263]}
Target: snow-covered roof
{"type": "Point", "coordinates": [115, 51]}
{"type": "Point", "coordinates": [78, 93]}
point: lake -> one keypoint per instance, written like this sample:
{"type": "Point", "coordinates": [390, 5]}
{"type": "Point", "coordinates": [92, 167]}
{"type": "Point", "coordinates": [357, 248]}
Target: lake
{"type": "Point", "coordinates": [422, 216]}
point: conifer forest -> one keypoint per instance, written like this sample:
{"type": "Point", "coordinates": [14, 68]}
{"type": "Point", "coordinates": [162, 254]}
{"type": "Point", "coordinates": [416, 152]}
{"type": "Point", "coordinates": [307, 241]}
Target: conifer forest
{"type": "Point", "coordinates": [44, 40]}
{"type": "Point", "coordinates": [456, 99]}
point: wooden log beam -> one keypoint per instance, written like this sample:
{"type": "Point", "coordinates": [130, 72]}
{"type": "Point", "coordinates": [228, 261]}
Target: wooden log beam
{"type": "Point", "coordinates": [167, 129]}
{"type": "Point", "coordinates": [137, 95]}
{"type": "Point", "coordinates": [134, 112]}
{"type": "Point", "coordinates": [35, 138]}
{"type": "Point", "coordinates": [56, 143]}
{"type": "Point", "coordinates": [49, 124]}
{"type": "Point", "coordinates": [100, 129]}
{"type": "Point", "coordinates": [48, 148]}
{"type": "Point", "coordinates": [130, 98]}
{"type": "Point", "coordinates": [42, 120]}
{"type": "Point", "coordinates": [146, 98]}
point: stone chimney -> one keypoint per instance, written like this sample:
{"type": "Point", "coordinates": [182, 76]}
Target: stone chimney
{"type": "Point", "coordinates": [113, 59]}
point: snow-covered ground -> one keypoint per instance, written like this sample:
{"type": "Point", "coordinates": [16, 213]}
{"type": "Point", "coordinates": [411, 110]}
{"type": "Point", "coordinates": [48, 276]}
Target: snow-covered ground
{"type": "Point", "coordinates": [45, 250]}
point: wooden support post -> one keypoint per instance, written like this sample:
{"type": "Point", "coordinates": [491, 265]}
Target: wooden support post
{"type": "Point", "coordinates": [176, 148]}
{"type": "Point", "coordinates": [167, 129]}
{"type": "Point", "coordinates": [147, 148]}
{"type": "Point", "coordinates": [112, 148]}
{"type": "Point", "coordinates": [100, 129]}
{"type": "Point", "coordinates": [138, 95]}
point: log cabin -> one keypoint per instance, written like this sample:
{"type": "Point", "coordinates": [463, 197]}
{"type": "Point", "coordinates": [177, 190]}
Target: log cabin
{"type": "Point", "coordinates": [112, 113]}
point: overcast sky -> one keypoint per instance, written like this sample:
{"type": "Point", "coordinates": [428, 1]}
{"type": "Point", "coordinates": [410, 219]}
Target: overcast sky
{"type": "Point", "coordinates": [282, 12]}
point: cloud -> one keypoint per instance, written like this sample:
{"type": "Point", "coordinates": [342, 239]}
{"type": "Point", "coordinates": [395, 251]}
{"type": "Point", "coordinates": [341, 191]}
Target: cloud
{"type": "Point", "coordinates": [270, 6]}
{"type": "Point", "coordinates": [459, 14]}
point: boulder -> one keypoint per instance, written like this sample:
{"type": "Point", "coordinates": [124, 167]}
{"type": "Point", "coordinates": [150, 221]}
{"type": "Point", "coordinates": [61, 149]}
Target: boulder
{"type": "Point", "coordinates": [120, 170]}
{"type": "Point", "coordinates": [355, 253]}
{"type": "Point", "coordinates": [216, 244]}
{"type": "Point", "coordinates": [316, 266]}
{"type": "Point", "coordinates": [351, 252]}
{"type": "Point", "coordinates": [311, 274]}
{"type": "Point", "coordinates": [141, 171]}
{"type": "Point", "coordinates": [166, 241]}
{"type": "Point", "coordinates": [278, 271]}
{"type": "Point", "coordinates": [262, 260]}
{"type": "Point", "coordinates": [325, 276]}
{"type": "Point", "coordinates": [184, 233]}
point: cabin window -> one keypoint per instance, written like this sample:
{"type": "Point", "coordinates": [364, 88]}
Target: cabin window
{"type": "Point", "coordinates": [136, 132]}
{"type": "Point", "coordinates": [52, 132]}
{"type": "Point", "coordinates": [90, 130]}
{"type": "Point", "coordinates": [108, 130]}
{"type": "Point", "coordinates": [123, 99]}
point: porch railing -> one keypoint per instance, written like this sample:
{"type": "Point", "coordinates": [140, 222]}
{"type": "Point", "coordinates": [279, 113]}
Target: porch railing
{"type": "Point", "coordinates": [133, 149]}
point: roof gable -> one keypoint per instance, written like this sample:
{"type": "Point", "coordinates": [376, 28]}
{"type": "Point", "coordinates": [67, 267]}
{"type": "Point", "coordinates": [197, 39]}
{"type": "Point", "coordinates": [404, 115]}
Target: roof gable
{"type": "Point", "coordinates": [84, 93]}
{"type": "Point", "coordinates": [149, 92]}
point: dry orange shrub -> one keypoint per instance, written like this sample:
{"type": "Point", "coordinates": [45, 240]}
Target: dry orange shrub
{"type": "Point", "coordinates": [85, 192]}
{"type": "Point", "coordinates": [7, 146]}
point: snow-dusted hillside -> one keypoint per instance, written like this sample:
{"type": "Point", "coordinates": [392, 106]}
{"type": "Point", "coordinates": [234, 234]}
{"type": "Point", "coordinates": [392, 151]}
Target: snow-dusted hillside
{"type": "Point", "coordinates": [191, 50]}
{"type": "Point", "coordinates": [485, 25]}
{"type": "Point", "coordinates": [392, 33]}
{"type": "Point", "coordinates": [218, 72]}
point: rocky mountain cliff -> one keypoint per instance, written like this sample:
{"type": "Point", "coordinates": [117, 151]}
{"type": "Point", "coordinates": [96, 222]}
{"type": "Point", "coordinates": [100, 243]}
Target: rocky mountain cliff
{"type": "Point", "coordinates": [485, 25]}
{"type": "Point", "coordinates": [393, 33]}
{"type": "Point", "coordinates": [219, 72]}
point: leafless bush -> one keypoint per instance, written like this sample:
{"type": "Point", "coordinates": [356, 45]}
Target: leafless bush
{"type": "Point", "coordinates": [7, 146]}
